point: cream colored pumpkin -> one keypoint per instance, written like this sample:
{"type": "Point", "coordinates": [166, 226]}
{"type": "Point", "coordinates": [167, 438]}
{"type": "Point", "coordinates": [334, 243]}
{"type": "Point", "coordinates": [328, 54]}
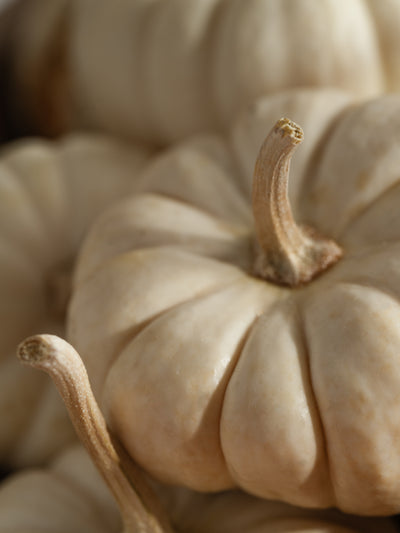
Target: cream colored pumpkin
{"type": "Point", "coordinates": [70, 497]}
{"type": "Point", "coordinates": [158, 71]}
{"type": "Point", "coordinates": [49, 193]}
{"type": "Point", "coordinates": [67, 497]}
{"type": "Point", "coordinates": [212, 377]}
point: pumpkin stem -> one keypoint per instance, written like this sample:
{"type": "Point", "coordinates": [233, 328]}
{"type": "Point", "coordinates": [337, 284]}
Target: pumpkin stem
{"type": "Point", "coordinates": [139, 509]}
{"type": "Point", "coordinates": [287, 254]}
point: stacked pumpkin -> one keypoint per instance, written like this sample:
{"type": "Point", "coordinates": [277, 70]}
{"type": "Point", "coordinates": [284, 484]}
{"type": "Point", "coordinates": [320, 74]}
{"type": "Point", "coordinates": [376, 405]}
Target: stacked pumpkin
{"type": "Point", "coordinates": [159, 71]}
{"type": "Point", "coordinates": [239, 332]}
{"type": "Point", "coordinates": [50, 192]}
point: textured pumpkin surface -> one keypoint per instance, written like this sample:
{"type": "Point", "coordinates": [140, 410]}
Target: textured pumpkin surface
{"type": "Point", "coordinates": [214, 378]}
{"type": "Point", "coordinates": [67, 497]}
{"type": "Point", "coordinates": [157, 70]}
{"type": "Point", "coordinates": [49, 193]}
{"type": "Point", "coordinates": [70, 496]}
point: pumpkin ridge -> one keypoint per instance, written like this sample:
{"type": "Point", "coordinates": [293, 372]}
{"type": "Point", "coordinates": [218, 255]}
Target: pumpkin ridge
{"type": "Point", "coordinates": [87, 496]}
{"type": "Point", "coordinates": [372, 255]}
{"type": "Point", "coordinates": [33, 480]}
{"type": "Point", "coordinates": [212, 37]}
{"type": "Point", "coordinates": [237, 357]}
{"type": "Point", "coordinates": [227, 225]}
{"type": "Point", "coordinates": [179, 157]}
{"type": "Point", "coordinates": [317, 411]}
{"type": "Point", "coordinates": [19, 260]}
{"type": "Point", "coordinates": [137, 330]}
{"type": "Point", "coordinates": [147, 16]}
{"type": "Point", "coordinates": [200, 50]}
{"type": "Point", "coordinates": [189, 203]}
{"type": "Point", "coordinates": [310, 175]}
{"type": "Point", "coordinates": [174, 247]}
{"type": "Point", "coordinates": [365, 208]}
{"type": "Point", "coordinates": [29, 418]}
{"type": "Point", "coordinates": [130, 225]}
{"type": "Point", "coordinates": [179, 248]}
{"type": "Point", "coordinates": [14, 182]}
{"type": "Point", "coordinates": [143, 361]}
{"type": "Point", "coordinates": [30, 422]}
{"type": "Point", "coordinates": [18, 175]}
{"type": "Point", "coordinates": [321, 419]}
{"type": "Point", "coordinates": [359, 162]}
{"type": "Point", "coordinates": [218, 273]}
{"type": "Point", "coordinates": [343, 388]}
{"type": "Point", "coordinates": [378, 42]}
{"type": "Point", "coordinates": [368, 276]}
{"type": "Point", "coordinates": [378, 287]}
{"type": "Point", "coordinates": [257, 444]}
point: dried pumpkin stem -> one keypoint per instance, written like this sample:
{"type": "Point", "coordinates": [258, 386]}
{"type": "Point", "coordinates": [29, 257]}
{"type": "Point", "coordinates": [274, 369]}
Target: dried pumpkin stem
{"type": "Point", "coordinates": [139, 509]}
{"type": "Point", "coordinates": [287, 253]}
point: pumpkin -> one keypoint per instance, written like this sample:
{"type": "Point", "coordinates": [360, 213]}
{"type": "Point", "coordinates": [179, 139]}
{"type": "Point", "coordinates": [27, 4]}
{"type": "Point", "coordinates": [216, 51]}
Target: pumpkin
{"type": "Point", "coordinates": [70, 497]}
{"type": "Point", "coordinates": [158, 71]}
{"type": "Point", "coordinates": [231, 348]}
{"type": "Point", "coordinates": [49, 193]}
{"type": "Point", "coordinates": [67, 496]}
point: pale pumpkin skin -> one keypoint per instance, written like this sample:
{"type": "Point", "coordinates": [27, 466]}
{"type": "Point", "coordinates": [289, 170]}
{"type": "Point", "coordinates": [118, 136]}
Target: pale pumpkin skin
{"type": "Point", "coordinates": [213, 378]}
{"type": "Point", "coordinates": [67, 496]}
{"type": "Point", "coordinates": [70, 496]}
{"type": "Point", "coordinates": [49, 194]}
{"type": "Point", "coordinates": [158, 71]}
{"type": "Point", "coordinates": [145, 505]}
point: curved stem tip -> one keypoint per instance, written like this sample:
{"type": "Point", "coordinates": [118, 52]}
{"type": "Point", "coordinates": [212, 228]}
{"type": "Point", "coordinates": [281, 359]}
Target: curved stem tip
{"type": "Point", "coordinates": [138, 506]}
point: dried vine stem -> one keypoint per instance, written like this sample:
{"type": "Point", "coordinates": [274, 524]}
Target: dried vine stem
{"type": "Point", "coordinates": [287, 253]}
{"type": "Point", "coordinates": [139, 509]}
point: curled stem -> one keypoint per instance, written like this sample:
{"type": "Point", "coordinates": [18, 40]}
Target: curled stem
{"type": "Point", "coordinates": [138, 506]}
{"type": "Point", "coordinates": [287, 254]}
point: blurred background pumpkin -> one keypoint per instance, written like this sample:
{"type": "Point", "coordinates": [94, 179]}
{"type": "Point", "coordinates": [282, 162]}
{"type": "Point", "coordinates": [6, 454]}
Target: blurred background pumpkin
{"type": "Point", "coordinates": [158, 71]}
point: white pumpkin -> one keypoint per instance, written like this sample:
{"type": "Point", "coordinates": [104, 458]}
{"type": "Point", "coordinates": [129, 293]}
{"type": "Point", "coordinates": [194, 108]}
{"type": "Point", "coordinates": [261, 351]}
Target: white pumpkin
{"type": "Point", "coordinates": [49, 194]}
{"type": "Point", "coordinates": [158, 71]}
{"type": "Point", "coordinates": [70, 497]}
{"type": "Point", "coordinates": [211, 375]}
